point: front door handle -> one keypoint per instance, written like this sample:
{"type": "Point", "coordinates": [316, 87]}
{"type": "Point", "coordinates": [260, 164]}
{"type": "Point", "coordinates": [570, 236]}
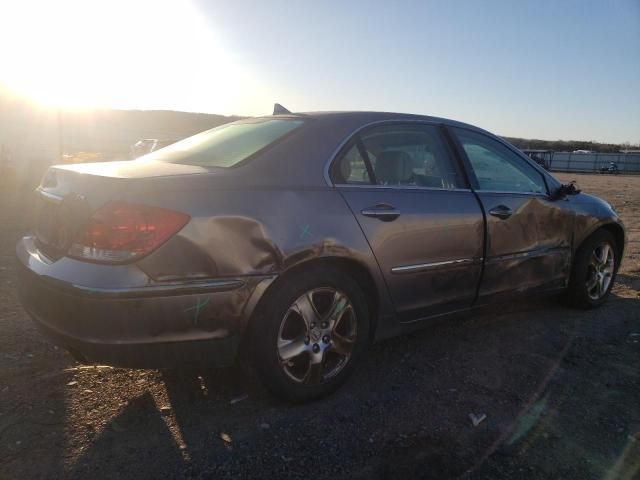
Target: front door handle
{"type": "Point", "coordinates": [501, 211]}
{"type": "Point", "coordinates": [382, 211]}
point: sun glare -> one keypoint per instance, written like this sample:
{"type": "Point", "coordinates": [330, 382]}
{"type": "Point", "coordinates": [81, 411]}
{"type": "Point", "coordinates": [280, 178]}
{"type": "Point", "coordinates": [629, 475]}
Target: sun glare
{"type": "Point", "coordinates": [120, 54]}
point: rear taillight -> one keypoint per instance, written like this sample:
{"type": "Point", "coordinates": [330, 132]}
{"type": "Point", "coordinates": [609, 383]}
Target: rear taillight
{"type": "Point", "coordinates": [120, 232]}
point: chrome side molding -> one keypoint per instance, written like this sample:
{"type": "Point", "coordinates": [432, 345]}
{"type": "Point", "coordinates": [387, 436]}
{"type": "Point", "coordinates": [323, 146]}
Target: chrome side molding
{"type": "Point", "coordinates": [435, 265]}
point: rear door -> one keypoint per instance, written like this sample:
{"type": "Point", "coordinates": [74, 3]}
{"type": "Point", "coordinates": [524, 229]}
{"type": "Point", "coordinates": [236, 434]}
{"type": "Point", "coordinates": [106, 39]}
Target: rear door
{"type": "Point", "coordinates": [528, 233]}
{"type": "Point", "coordinates": [423, 223]}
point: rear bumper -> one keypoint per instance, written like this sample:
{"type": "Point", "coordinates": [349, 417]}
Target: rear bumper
{"type": "Point", "coordinates": [158, 325]}
{"type": "Point", "coordinates": [221, 352]}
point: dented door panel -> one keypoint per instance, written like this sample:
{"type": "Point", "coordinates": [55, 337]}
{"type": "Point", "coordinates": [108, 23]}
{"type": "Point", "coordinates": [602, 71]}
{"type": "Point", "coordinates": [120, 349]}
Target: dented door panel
{"type": "Point", "coordinates": [528, 250]}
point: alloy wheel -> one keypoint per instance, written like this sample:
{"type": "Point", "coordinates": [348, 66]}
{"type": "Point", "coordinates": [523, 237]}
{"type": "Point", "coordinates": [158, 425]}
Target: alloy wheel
{"type": "Point", "coordinates": [600, 271]}
{"type": "Point", "coordinates": [317, 336]}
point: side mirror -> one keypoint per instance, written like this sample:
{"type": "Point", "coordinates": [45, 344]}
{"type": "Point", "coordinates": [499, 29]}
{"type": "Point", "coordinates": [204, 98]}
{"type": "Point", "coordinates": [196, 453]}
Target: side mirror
{"type": "Point", "coordinates": [566, 189]}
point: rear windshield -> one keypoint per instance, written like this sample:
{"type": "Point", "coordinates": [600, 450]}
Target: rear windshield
{"type": "Point", "coordinates": [227, 145]}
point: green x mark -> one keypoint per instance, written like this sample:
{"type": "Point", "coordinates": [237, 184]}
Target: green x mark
{"type": "Point", "coordinates": [305, 231]}
{"type": "Point", "coordinates": [197, 308]}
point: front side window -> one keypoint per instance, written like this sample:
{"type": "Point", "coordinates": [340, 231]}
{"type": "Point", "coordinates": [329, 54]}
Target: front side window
{"type": "Point", "coordinates": [227, 145]}
{"type": "Point", "coordinates": [496, 167]}
{"type": "Point", "coordinates": [398, 155]}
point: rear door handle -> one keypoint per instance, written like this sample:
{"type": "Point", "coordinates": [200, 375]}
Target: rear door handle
{"type": "Point", "coordinates": [501, 211]}
{"type": "Point", "coordinates": [382, 211]}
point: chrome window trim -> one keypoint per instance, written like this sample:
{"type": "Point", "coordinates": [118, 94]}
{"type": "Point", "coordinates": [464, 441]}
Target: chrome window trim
{"type": "Point", "coordinates": [421, 267]}
{"type": "Point", "coordinates": [332, 157]}
{"type": "Point", "coordinates": [400, 187]}
{"type": "Point", "coordinates": [509, 192]}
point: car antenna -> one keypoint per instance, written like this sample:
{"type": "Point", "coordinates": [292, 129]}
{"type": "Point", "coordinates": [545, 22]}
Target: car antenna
{"type": "Point", "coordinates": [280, 110]}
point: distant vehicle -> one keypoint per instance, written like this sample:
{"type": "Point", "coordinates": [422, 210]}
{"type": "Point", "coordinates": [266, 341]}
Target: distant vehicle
{"type": "Point", "coordinates": [541, 157]}
{"type": "Point", "coordinates": [612, 168]}
{"type": "Point", "coordinates": [147, 145]}
{"type": "Point", "coordinates": [583, 151]}
{"type": "Point", "coordinates": [294, 240]}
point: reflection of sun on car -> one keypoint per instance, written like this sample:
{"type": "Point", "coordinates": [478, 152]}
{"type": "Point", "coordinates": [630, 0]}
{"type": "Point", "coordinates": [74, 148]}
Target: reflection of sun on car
{"type": "Point", "coordinates": [294, 240]}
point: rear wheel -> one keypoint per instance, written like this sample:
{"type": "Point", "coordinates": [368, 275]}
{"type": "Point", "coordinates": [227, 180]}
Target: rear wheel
{"type": "Point", "coordinates": [311, 332]}
{"type": "Point", "coordinates": [594, 270]}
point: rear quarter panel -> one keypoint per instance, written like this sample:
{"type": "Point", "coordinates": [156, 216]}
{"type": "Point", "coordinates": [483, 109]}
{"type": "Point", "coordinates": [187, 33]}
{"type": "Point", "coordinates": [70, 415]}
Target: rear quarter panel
{"type": "Point", "coordinates": [259, 231]}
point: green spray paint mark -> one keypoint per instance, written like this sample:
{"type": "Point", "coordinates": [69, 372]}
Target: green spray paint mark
{"type": "Point", "coordinates": [305, 231]}
{"type": "Point", "coordinates": [197, 308]}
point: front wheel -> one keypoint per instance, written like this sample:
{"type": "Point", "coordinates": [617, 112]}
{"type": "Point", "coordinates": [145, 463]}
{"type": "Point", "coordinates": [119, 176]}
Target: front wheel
{"type": "Point", "coordinates": [594, 270]}
{"type": "Point", "coordinates": [310, 334]}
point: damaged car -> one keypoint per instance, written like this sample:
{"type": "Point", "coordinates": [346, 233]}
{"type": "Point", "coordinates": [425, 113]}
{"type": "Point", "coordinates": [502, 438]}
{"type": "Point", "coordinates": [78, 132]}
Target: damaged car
{"type": "Point", "coordinates": [293, 241]}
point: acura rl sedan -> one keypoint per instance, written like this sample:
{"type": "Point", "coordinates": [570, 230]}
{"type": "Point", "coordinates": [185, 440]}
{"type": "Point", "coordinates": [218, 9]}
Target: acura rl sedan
{"type": "Point", "coordinates": [295, 240]}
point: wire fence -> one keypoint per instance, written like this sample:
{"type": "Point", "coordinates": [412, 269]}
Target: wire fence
{"type": "Point", "coordinates": [592, 162]}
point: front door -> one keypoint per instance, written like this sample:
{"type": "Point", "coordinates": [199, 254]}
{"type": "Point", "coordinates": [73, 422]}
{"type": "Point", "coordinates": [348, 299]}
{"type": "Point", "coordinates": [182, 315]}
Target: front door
{"type": "Point", "coordinates": [424, 226]}
{"type": "Point", "coordinates": [528, 233]}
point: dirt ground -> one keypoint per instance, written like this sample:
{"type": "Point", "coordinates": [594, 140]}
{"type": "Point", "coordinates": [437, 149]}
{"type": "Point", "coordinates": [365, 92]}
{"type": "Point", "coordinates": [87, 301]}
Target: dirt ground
{"type": "Point", "coordinates": [560, 389]}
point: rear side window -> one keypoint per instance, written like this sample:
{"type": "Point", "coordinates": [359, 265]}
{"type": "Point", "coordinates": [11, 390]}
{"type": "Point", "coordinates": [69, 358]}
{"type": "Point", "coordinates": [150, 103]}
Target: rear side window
{"type": "Point", "coordinates": [351, 168]}
{"type": "Point", "coordinates": [227, 145]}
{"type": "Point", "coordinates": [398, 155]}
{"type": "Point", "coordinates": [496, 167]}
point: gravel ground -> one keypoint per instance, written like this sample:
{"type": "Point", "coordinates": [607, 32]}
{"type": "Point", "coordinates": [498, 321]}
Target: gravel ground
{"type": "Point", "coordinates": [560, 390]}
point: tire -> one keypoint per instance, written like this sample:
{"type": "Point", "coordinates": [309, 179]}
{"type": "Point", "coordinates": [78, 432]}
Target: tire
{"type": "Point", "coordinates": [582, 292]}
{"type": "Point", "coordinates": [328, 352]}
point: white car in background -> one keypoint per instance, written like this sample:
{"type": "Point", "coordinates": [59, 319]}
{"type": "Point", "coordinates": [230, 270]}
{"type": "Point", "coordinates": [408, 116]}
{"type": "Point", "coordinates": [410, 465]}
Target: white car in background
{"type": "Point", "coordinates": [147, 145]}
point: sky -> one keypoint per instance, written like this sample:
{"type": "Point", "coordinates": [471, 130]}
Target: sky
{"type": "Point", "coordinates": [550, 69]}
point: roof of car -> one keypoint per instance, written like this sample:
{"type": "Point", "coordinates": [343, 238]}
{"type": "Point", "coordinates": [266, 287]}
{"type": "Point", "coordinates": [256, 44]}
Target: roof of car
{"type": "Point", "coordinates": [373, 116]}
{"type": "Point", "coordinates": [302, 159]}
